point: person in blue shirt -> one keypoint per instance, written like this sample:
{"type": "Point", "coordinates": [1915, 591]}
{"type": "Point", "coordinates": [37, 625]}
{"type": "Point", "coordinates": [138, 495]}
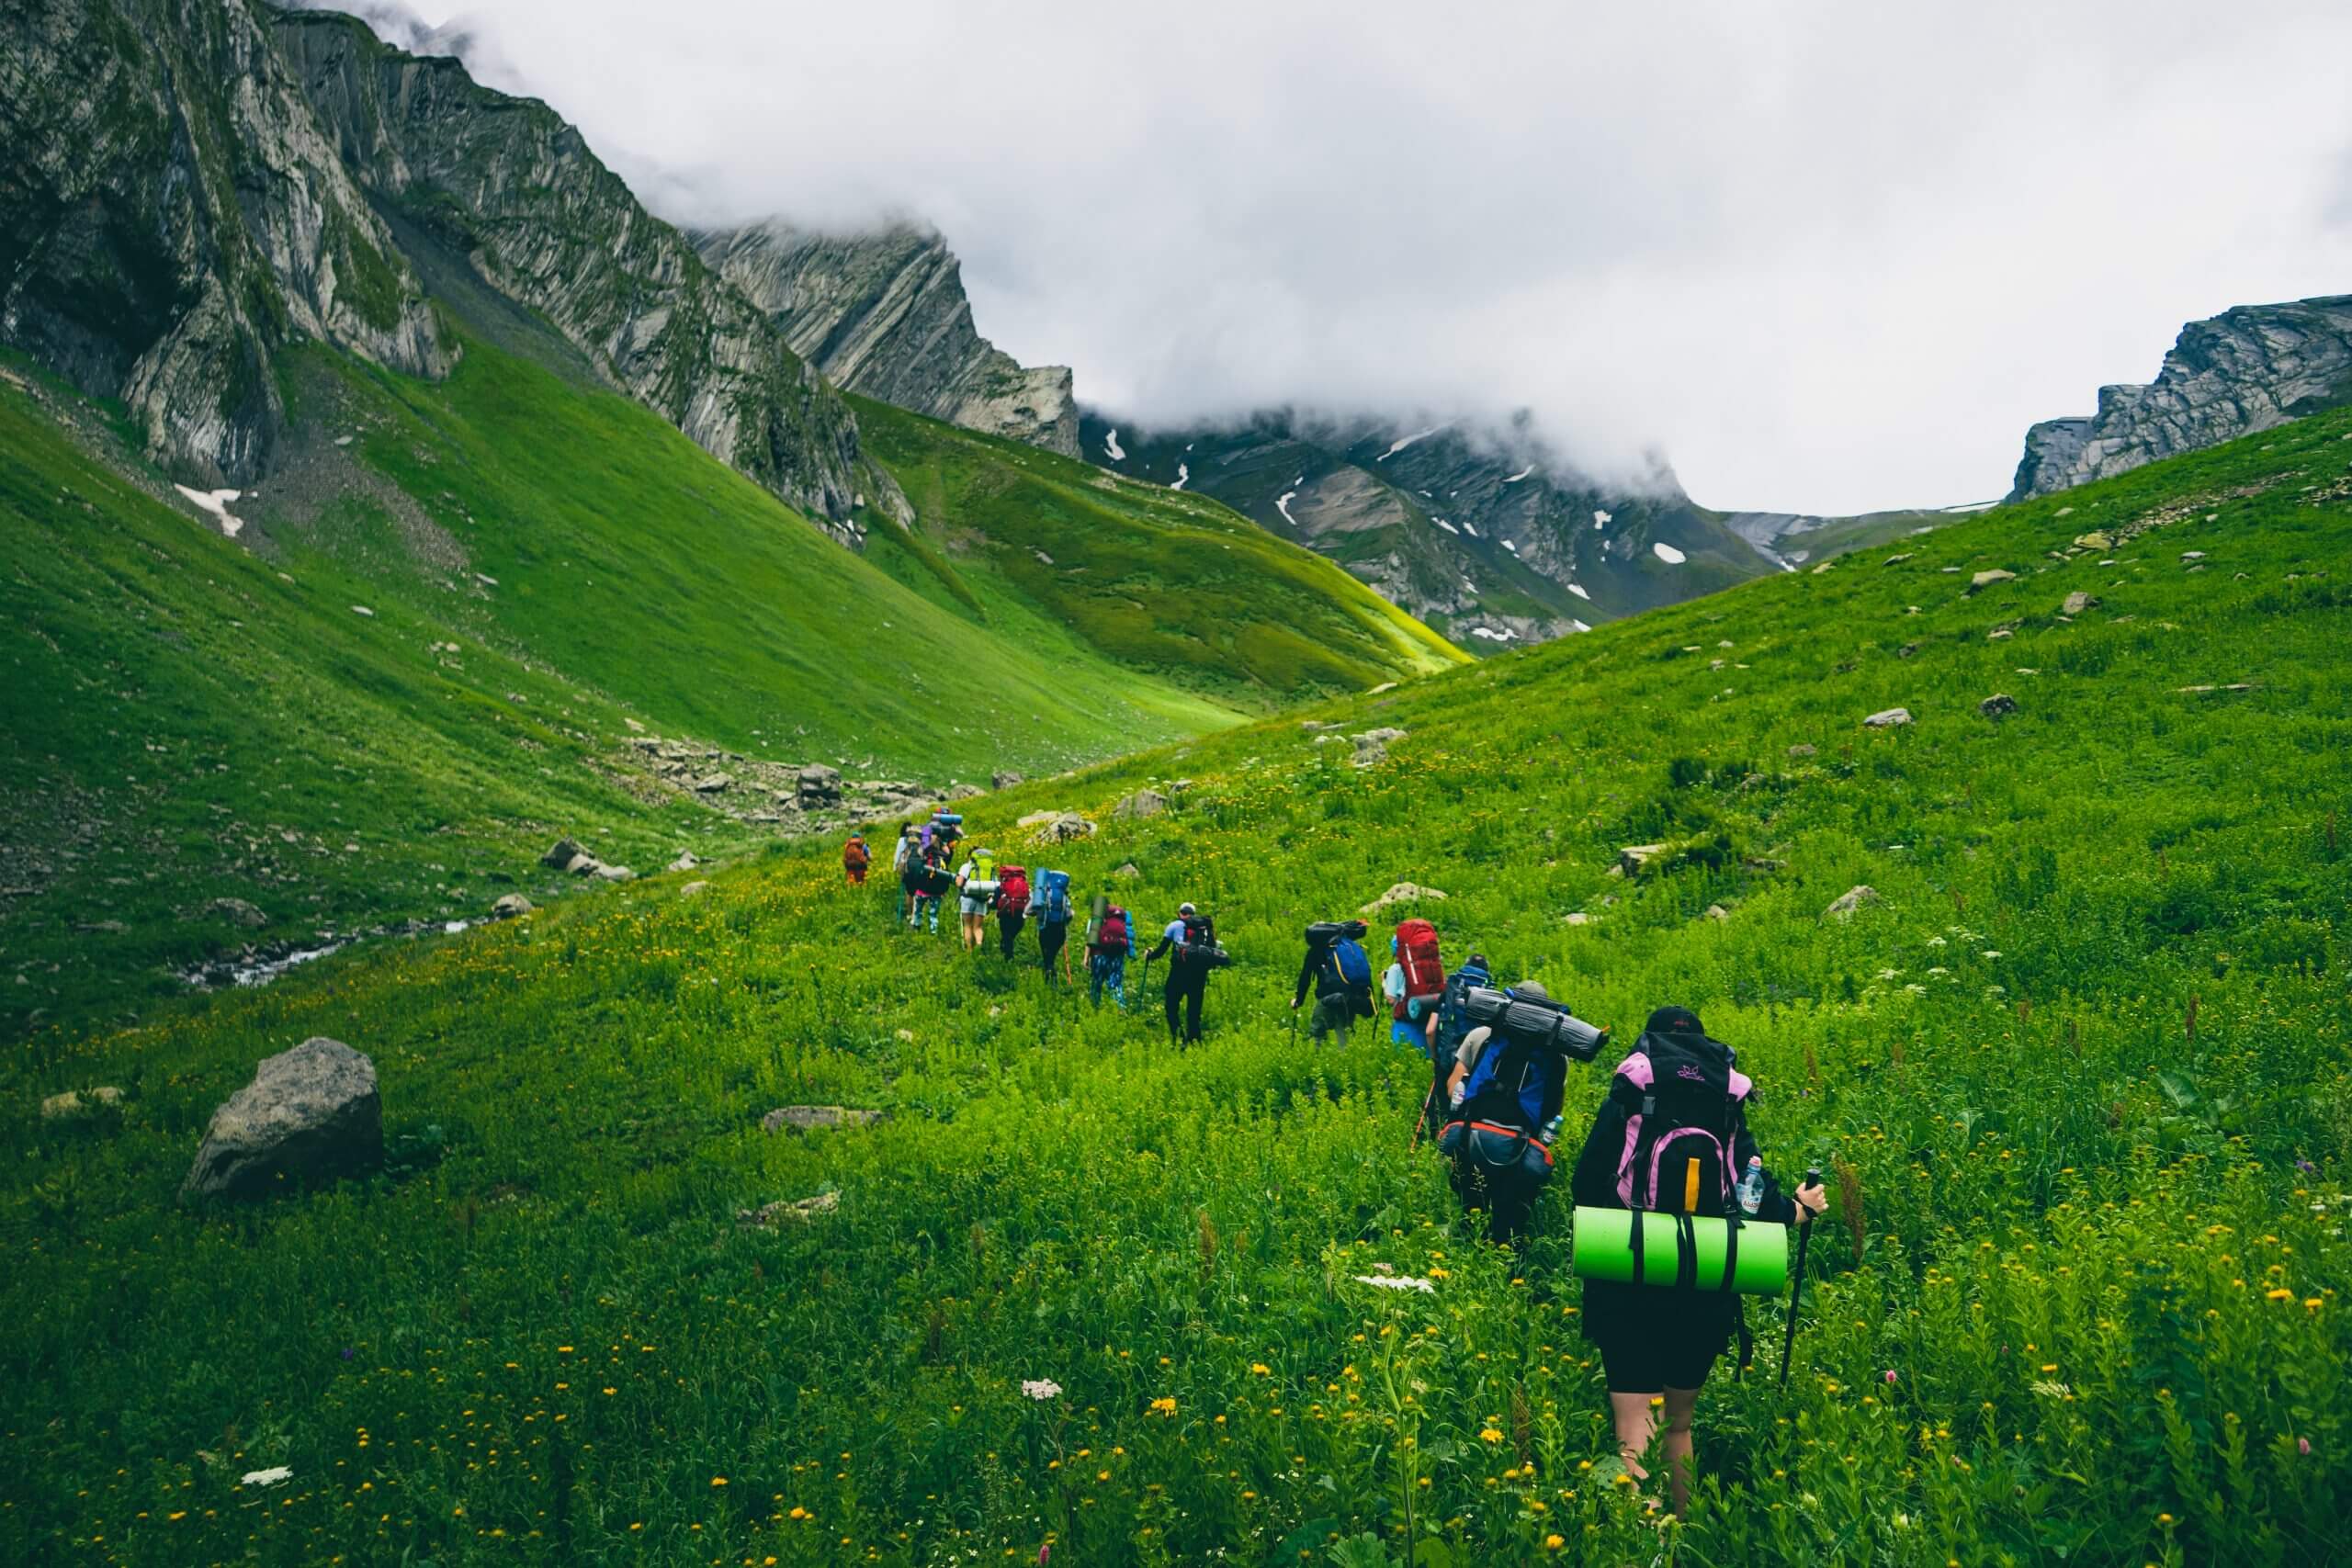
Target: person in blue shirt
{"type": "Point", "coordinates": [1189, 938]}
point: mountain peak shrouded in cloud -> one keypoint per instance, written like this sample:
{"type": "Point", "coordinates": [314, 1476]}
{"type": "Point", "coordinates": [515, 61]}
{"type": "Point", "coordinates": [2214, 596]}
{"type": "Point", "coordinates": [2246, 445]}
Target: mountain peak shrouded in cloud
{"type": "Point", "coordinates": [1830, 257]}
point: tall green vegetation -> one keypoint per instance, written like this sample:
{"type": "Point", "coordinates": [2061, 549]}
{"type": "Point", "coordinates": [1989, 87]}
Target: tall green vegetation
{"type": "Point", "coordinates": [2079, 1072]}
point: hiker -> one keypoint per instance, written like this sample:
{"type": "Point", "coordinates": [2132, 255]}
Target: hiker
{"type": "Point", "coordinates": [1190, 940]}
{"type": "Point", "coordinates": [1049, 903]}
{"type": "Point", "coordinates": [1672, 1135]}
{"type": "Point", "coordinates": [855, 857]}
{"type": "Point", "coordinates": [976, 888]}
{"type": "Point", "coordinates": [927, 871]}
{"type": "Point", "coordinates": [1504, 1105]}
{"type": "Point", "coordinates": [1452, 1024]}
{"type": "Point", "coordinates": [1108, 947]}
{"type": "Point", "coordinates": [1342, 974]}
{"type": "Point", "coordinates": [1012, 905]}
{"type": "Point", "coordinates": [902, 865]}
{"type": "Point", "coordinates": [1413, 983]}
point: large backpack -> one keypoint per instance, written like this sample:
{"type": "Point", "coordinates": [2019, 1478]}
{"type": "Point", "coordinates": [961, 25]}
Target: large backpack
{"type": "Point", "coordinates": [1012, 889]}
{"type": "Point", "coordinates": [1110, 934]}
{"type": "Point", "coordinates": [1199, 947]}
{"type": "Point", "coordinates": [1052, 894]}
{"type": "Point", "coordinates": [983, 870]}
{"type": "Point", "coordinates": [1685, 1105]}
{"type": "Point", "coordinates": [1452, 1016]}
{"type": "Point", "coordinates": [1424, 975]}
{"type": "Point", "coordinates": [855, 855]}
{"type": "Point", "coordinates": [1511, 1083]}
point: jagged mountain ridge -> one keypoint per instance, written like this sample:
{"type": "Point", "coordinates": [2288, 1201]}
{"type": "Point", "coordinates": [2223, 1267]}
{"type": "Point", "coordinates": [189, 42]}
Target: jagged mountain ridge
{"type": "Point", "coordinates": [171, 216]}
{"type": "Point", "coordinates": [2249, 368]}
{"type": "Point", "coordinates": [885, 314]}
{"type": "Point", "coordinates": [208, 182]}
{"type": "Point", "coordinates": [1487, 535]}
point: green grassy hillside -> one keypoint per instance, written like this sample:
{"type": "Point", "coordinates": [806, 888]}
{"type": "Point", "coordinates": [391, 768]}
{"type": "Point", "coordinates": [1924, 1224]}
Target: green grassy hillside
{"type": "Point", "coordinates": [423, 660]}
{"type": "Point", "coordinates": [2080, 1072]}
{"type": "Point", "coordinates": [1153, 579]}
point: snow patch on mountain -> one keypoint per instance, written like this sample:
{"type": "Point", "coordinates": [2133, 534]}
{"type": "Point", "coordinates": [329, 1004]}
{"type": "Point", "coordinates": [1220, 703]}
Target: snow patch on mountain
{"type": "Point", "coordinates": [216, 502]}
{"type": "Point", "coordinates": [1668, 553]}
{"type": "Point", "coordinates": [1182, 473]}
{"type": "Point", "coordinates": [1281, 504]}
{"type": "Point", "coordinates": [1111, 445]}
{"type": "Point", "coordinates": [1404, 441]}
{"type": "Point", "coordinates": [1520, 475]}
{"type": "Point", "coordinates": [1577, 589]}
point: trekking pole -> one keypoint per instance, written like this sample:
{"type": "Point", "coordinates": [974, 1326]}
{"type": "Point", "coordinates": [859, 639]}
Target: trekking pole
{"type": "Point", "coordinates": [1796, 1285]}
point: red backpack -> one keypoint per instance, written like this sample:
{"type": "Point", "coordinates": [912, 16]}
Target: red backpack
{"type": "Point", "coordinates": [1012, 889]}
{"type": "Point", "coordinates": [1111, 934]}
{"type": "Point", "coordinates": [855, 855]}
{"type": "Point", "coordinates": [1424, 973]}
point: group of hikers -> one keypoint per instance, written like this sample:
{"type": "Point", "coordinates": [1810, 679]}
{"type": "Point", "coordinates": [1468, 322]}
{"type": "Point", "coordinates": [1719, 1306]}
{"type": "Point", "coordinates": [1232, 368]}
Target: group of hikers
{"type": "Point", "coordinates": [1669, 1140]}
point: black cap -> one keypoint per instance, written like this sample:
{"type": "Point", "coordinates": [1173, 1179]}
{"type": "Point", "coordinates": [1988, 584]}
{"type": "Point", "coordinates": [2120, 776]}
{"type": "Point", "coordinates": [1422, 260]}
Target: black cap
{"type": "Point", "coordinates": [1674, 1021]}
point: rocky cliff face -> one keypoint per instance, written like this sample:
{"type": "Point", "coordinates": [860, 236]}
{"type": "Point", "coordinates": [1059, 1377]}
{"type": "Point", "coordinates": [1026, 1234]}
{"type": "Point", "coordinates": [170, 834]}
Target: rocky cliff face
{"type": "Point", "coordinates": [511, 186]}
{"type": "Point", "coordinates": [171, 215]}
{"type": "Point", "coordinates": [886, 315]}
{"type": "Point", "coordinates": [1486, 534]}
{"type": "Point", "coordinates": [2245, 370]}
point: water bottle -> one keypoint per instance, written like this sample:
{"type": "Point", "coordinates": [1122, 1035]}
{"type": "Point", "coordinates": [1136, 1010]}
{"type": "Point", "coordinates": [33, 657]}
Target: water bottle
{"type": "Point", "coordinates": [1751, 1186]}
{"type": "Point", "coordinates": [1551, 1133]}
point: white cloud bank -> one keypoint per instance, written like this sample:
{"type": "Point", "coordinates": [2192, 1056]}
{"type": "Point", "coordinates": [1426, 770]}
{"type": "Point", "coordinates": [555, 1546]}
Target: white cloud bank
{"type": "Point", "coordinates": [1829, 256]}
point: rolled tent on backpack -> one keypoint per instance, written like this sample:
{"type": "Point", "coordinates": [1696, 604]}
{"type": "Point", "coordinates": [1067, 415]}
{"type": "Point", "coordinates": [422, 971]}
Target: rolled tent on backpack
{"type": "Point", "coordinates": [1602, 1248]}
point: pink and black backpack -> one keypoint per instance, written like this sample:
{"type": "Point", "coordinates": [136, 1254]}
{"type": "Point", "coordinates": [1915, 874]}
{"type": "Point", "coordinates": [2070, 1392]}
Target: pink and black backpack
{"type": "Point", "coordinates": [1685, 1107]}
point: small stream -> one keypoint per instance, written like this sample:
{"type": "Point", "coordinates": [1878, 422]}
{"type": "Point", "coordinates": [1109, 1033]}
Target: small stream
{"type": "Point", "coordinates": [260, 965]}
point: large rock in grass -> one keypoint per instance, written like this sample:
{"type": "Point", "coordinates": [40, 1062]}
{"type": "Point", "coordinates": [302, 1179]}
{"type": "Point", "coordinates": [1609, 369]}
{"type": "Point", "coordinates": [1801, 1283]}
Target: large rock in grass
{"type": "Point", "coordinates": [310, 1114]}
{"type": "Point", "coordinates": [560, 856]}
{"type": "Point", "coordinates": [1985, 580]}
{"type": "Point", "coordinates": [1372, 746]}
{"type": "Point", "coordinates": [1888, 718]}
{"type": "Point", "coordinates": [2000, 704]}
{"type": "Point", "coordinates": [1853, 899]}
{"type": "Point", "coordinates": [810, 1118]}
{"type": "Point", "coordinates": [818, 787]}
{"type": "Point", "coordinates": [1402, 893]}
{"type": "Point", "coordinates": [1143, 803]}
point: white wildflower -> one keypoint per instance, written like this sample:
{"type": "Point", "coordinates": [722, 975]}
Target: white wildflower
{"type": "Point", "coordinates": [1398, 1282]}
{"type": "Point", "coordinates": [1989, 953]}
{"type": "Point", "coordinates": [1938, 969]}
{"type": "Point", "coordinates": [273, 1476]}
{"type": "Point", "coordinates": [1040, 1388]}
{"type": "Point", "coordinates": [1935, 942]}
{"type": "Point", "coordinates": [1890, 974]}
{"type": "Point", "coordinates": [1917, 990]}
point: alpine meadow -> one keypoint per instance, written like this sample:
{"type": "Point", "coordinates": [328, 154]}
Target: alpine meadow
{"type": "Point", "coordinates": [466, 638]}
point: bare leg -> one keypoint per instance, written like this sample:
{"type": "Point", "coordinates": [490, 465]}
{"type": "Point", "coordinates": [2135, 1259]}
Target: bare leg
{"type": "Point", "coordinates": [1679, 1403]}
{"type": "Point", "coordinates": [1636, 1422]}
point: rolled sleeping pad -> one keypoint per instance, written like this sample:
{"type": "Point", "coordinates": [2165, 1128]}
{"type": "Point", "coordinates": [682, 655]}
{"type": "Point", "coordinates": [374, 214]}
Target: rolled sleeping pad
{"type": "Point", "coordinates": [975, 888]}
{"type": "Point", "coordinates": [1602, 1248]}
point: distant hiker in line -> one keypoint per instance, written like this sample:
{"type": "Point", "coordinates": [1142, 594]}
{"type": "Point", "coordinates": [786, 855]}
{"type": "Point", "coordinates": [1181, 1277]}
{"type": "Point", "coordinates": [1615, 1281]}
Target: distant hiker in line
{"type": "Point", "coordinates": [1505, 1104]}
{"type": "Point", "coordinates": [927, 872]}
{"type": "Point", "coordinates": [975, 890]}
{"type": "Point", "coordinates": [1342, 974]}
{"type": "Point", "coordinates": [1190, 940]}
{"type": "Point", "coordinates": [1678, 1101]}
{"type": "Point", "coordinates": [1108, 948]}
{"type": "Point", "coordinates": [904, 862]}
{"type": "Point", "coordinates": [1012, 907]}
{"type": "Point", "coordinates": [855, 857]}
{"type": "Point", "coordinates": [1050, 906]}
{"type": "Point", "coordinates": [1413, 983]}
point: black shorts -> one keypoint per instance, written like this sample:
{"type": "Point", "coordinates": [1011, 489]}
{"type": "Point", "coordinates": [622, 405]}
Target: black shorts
{"type": "Point", "coordinates": [1653, 1339]}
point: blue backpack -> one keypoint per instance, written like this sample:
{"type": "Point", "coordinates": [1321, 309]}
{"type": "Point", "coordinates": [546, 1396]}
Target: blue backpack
{"type": "Point", "coordinates": [1053, 897]}
{"type": "Point", "coordinates": [1513, 1081]}
{"type": "Point", "coordinates": [1355, 968]}
{"type": "Point", "coordinates": [1453, 1011]}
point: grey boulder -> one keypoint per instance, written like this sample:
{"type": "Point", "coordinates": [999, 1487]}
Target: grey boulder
{"type": "Point", "coordinates": [1850, 900]}
{"type": "Point", "coordinates": [1143, 803]}
{"type": "Point", "coordinates": [511, 905]}
{"type": "Point", "coordinates": [1888, 718]}
{"type": "Point", "coordinates": [310, 1114]}
{"type": "Point", "coordinates": [2000, 704]}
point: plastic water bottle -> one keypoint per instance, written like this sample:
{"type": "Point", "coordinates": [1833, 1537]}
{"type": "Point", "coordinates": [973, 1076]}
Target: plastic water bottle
{"type": "Point", "coordinates": [1751, 1186]}
{"type": "Point", "coordinates": [1551, 1133]}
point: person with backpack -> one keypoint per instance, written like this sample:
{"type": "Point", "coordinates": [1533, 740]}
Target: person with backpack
{"type": "Point", "coordinates": [1012, 905]}
{"type": "Point", "coordinates": [1049, 904]}
{"type": "Point", "coordinates": [855, 857]}
{"type": "Point", "coordinates": [1413, 983]}
{"type": "Point", "coordinates": [1452, 1024]}
{"type": "Point", "coordinates": [929, 880]}
{"type": "Point", "coordinates": [1505, 1102]}
{"type": "Point", "coordinates": [976, 887]}
{"type": "Point", "coordinates": [902, 854]}
{"type": "Point", "coordinates": [1341, 975]}
{"type": "Point", "coordinates": [1108, 948]}
{"type": "Point", "coordinates": [1191, 942]}
{"type": "Point", "coordinates": [1672, 1135]}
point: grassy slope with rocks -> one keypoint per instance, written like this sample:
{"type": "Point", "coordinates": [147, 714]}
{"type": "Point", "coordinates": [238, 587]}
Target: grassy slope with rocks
{"type": "Point", "coordinates": [186, 724]}
{"type": "Point", "coordinates": [2080, 1073]}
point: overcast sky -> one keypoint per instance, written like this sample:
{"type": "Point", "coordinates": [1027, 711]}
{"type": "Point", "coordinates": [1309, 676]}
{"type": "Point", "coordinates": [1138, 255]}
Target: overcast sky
{"type": "Point", "coordinates": [1827, 256]}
